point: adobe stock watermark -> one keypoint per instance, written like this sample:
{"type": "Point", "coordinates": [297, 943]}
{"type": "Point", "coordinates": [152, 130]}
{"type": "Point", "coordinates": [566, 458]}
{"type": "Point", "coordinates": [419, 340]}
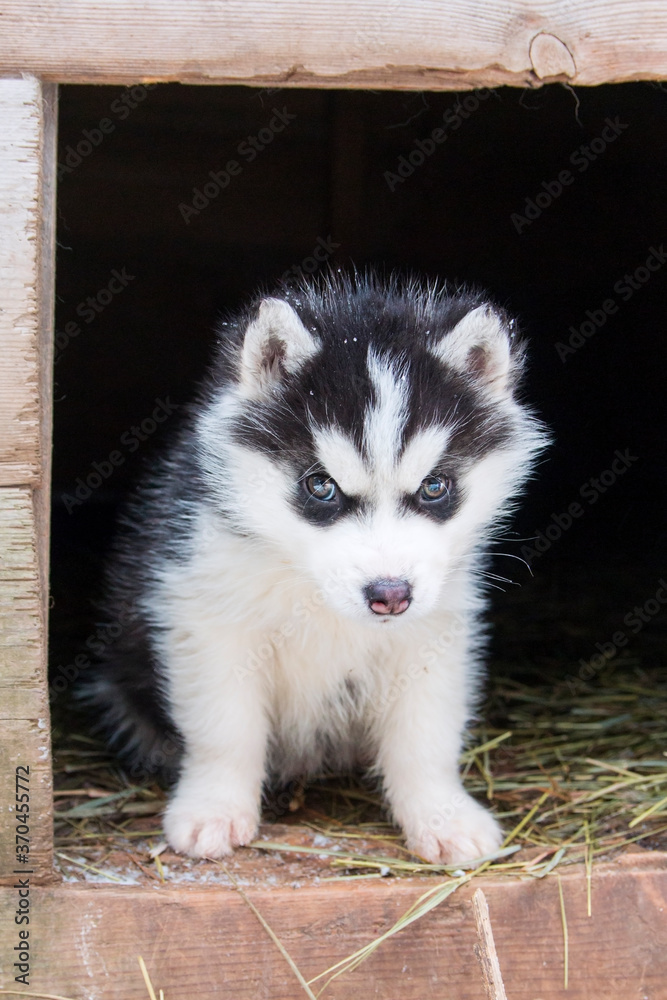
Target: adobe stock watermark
{"type": "Point", "coordinates": [130, 441]}
{"type": "Point", "coordinates": [92, 138]}
{"type": "Point", "coordinates": [429, 654]}
{"type": "Point", "coordinates": [248, 150]}
{"type": "Point", "coordinates": [97, 642]}
{"type": "Point", "coordinates": [266, 92]}
{"type": "Point", "coordinates": [419, 102]}
{"type": "Point", "coordinates": [624, 288]}
{"type": "Point", "coordinates": [162, 759]}
{"type": "Point", "coordinates": [324, 248]}
{"type": "Point", "coordinates": [634, 621]}
{"type": "Point", "coordinates": [301, 612]}
{"type": "Point", "coordinates": [581, 158]}
{"type": "Point", "coordinates": [90, 308]}
{"type": "Point", "coordinates": [590, 491]}
{"type": "Point", "coordinates": [278, 802]}
{"type": "Point", "coordinates": [444, 812]}
{"type": "Point", "coordinates": [165, 752]}
{"type": "Point", "coordinates": [453, 118]}
{"type": "Point", "coordinates": [371, 37]}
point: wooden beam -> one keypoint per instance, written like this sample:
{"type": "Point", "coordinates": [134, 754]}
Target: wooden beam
{"type": "Point", "coordinates": [27, 214]}
{"type": "Point", "coordinates": [205, 941]}
{"type": "Point", "coordinates": [45, 265]}
{"type": "Point", "coordinates": [25, 739]}
{"type": "Point", "coordinates": [398, 44]}
{"type": "Point", "coordinates": [27, 172]}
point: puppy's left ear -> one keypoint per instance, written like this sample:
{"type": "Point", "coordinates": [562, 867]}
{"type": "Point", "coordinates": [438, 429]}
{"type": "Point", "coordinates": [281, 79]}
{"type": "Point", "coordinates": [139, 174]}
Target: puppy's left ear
{"type": "Point", "coordinates": [276, 344]}
{"type": "Point", "coordinates": [479, 346]}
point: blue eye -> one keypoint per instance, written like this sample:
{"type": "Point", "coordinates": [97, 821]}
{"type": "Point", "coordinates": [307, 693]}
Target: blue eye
{"type": "Point", "coordinates": [322, 488]}
{"type": "Point", "coordinates": [434, 488]}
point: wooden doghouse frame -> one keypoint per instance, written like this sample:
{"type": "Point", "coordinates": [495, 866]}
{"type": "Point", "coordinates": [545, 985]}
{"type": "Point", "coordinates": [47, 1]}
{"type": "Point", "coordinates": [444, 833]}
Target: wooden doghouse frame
{"type": "Point", "coordinates": [204, 941]}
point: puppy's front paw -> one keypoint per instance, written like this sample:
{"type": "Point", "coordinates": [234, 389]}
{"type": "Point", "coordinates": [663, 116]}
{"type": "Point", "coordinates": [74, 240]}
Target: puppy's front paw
{"type": "Point", "coordinates": [208, 831]}
{"type": "Point", "coordinates": [457, 830]}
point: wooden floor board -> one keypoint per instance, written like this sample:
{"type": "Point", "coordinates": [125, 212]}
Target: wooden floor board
{"type": "Point", "coordinates": [205, 942]}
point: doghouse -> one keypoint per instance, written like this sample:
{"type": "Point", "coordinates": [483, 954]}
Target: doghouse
{"type": "Point", "coordinates": [197, 935]}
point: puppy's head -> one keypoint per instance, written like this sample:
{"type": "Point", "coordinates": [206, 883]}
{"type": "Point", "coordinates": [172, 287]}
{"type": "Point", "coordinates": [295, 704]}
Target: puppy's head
{"type": "Point", "coordinates": [371, 436]}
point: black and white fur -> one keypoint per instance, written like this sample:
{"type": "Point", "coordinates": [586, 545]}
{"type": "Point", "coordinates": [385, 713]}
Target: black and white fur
{"type": "Point", "coordinates": [272, 628]}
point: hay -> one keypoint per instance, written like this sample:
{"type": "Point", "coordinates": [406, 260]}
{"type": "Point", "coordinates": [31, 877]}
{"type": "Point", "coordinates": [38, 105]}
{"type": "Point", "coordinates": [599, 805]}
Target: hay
{"type": "Point", "coordinates": [572, 761]}
{"type": "Point", "coordinates": [571, 758]}
{"type": "Point", "coordinates": [573, 779]}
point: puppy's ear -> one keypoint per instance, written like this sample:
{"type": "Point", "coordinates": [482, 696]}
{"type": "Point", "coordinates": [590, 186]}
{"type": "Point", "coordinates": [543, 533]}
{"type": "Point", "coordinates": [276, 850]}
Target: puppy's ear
{"type": "Point", "coordinates": [479, 346]}
{"type": "Point", "coordinates": [276, 344]}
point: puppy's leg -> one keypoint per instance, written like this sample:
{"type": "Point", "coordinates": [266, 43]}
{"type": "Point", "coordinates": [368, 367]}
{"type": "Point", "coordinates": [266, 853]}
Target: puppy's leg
{"type": "Point", "coordinates": [419, 732]}
{"type": "Point", "coordinates": [218, 704]}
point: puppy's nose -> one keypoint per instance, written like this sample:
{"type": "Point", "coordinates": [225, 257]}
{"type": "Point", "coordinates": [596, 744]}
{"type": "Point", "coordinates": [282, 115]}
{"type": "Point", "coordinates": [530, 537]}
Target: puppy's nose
{"type": "Point", "coordinates": [388, 597]}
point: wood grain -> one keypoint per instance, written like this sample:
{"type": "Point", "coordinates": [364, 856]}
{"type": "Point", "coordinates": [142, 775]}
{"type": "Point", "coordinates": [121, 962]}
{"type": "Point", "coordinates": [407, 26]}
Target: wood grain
{"type": "Point", "coordinates": [20, 162]}
{"type": "Point", "coordinates": [24, 711]}
{"type": "Point", "coordinates": [485, 949]}
{"type": "Point", "coordinates": [27, 212]}
{"type": "Point", "coordinates": [26, 277]}
{"type": "Point", "coordinates": [46, 284]}
{"type": "Point", "coordinates": [408, 44]}
{"type": "Point", "coordinates": [205, 942]}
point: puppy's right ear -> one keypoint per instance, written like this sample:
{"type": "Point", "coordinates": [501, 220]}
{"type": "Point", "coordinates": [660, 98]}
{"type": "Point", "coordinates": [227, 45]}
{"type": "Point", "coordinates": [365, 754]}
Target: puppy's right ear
{"type": "Point", "coordinates": [480, 347]}
{"type": "Point", "coordinates": [276, 344]}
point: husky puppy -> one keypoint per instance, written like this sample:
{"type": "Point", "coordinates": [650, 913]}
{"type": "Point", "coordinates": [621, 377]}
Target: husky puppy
{"type": "Point", "coordinates": [300, 575]}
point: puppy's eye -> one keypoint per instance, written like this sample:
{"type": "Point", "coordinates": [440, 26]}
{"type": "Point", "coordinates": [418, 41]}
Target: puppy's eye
{"type": "Point", "coordinates": [322, 488]}
{"type": "Point", "coordinates": [434, 488]}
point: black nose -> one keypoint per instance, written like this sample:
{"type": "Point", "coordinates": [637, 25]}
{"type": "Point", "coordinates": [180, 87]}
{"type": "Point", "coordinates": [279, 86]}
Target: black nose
{"type": "Point", "coordinates": [388, 597]}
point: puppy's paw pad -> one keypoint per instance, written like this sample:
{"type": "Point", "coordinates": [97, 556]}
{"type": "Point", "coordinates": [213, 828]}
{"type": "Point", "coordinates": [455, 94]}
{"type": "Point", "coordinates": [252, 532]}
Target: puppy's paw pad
{"type": "Point", "coordinates": [471, 832]}
{"type": "Point", "coordinates": [208, 836]}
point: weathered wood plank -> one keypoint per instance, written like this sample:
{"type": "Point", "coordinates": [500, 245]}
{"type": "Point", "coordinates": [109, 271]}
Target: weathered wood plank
{"type": "Point", "coordinates": [24, 711]}
{"type": "Point", "coordinates": [26, 284]}
{"type": "Point", "coordinates": [205, 942]}
{"type": "Point", "coordinates": [46, 263]}
{"type": "Point", "coordinates": [412, 44]}
{"type": "Point", "coordinates": [27, 213]}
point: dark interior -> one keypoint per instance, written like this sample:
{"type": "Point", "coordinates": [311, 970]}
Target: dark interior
{"type": "Point", "coordinates": [146, 266]}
